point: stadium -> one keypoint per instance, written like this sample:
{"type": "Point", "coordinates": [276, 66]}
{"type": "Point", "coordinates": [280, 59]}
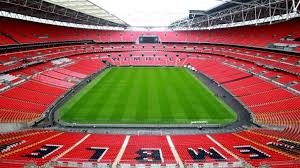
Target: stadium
{"type": "Point", "coordinates": [90, 83]}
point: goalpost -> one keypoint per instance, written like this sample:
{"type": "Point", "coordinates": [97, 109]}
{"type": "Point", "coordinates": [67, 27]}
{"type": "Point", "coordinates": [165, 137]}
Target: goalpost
{"type": "Point", "coordinates": [149, 132]}
{"type": "Point", "coordinates": [199, 122]}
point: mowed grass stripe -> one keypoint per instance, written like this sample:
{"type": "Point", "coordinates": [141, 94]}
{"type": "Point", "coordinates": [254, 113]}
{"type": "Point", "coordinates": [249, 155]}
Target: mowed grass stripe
{"type": "Point", "coordinates": [154, 95]}
{"type": "Point", "coordinates": [166, 97]}
{"type": "Point", "coordinates": [115, 93]}
{"type": "Point", "coordinates": [122, 99]}
{"type": "Point", "coordinates": [68, 111]}
{"type": "Point", "coordinates": [184, 96]}
{"type": "Point", "coordinates": [132, 98]}
{"type": "Point", "coordinates": [142, 95]}
{"type": "Point", "coordinates": [146, 95]}
{"type": "Point", "coordinates": [192, 94]}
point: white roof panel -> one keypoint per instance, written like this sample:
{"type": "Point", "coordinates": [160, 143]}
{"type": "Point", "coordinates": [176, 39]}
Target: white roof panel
{"type": "Point", "coordinates": [87, 7]}
{"type": "Point", "coordinates": [154, 13]}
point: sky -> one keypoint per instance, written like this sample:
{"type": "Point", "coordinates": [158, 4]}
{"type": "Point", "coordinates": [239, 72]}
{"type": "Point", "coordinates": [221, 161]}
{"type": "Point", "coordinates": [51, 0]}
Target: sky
{"type": "Point", "coordinates": [153, 12]}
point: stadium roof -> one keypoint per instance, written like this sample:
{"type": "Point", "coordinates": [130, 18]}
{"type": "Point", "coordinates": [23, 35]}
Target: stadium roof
{"type": "Point", "coordinates": [145, 14]}
{"type": "Point", "coordinates": [87, 7]}
{"type": "Point", "coordinates": [238, 13]}
{"type": "Point", "coordinates": [227, 4]}
{"type": "Point", "coordinates": [154, 13]}
{"type": "Point", "coordinates": [74, 13]}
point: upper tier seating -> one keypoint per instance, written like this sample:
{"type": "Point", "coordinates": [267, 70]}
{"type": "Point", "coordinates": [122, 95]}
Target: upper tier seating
{"type": "Point", "coordinates": [258, 36]}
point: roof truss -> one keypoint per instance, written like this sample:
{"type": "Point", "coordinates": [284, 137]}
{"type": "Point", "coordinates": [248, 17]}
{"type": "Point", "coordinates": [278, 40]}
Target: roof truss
{"type": "Point", "coordinates": [72, 11]}
{"type": "Point", "coordinates": [242, 13]}
{"type": "Point", "coordinates": [87, 7]}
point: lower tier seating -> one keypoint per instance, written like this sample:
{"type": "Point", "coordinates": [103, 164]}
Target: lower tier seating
{"type": "Point", "coordinates": [202, 149]}
{"type": "Point", "coordinates": [92, 144]}
{"type": "Point", "coordinates": [66, 149]}
{"type": "Point", "coordinates": [269, 102]}
{"type": "Point", "coordinates": [138, 145]}
{"type": "Point", "coordinates": [291, 132]}
{"type": "Point", "coordinates": [42, 86]}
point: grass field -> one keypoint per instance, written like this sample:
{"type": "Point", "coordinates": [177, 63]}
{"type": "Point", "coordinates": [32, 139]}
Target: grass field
{"type": "Point", "coordinates": [145, 95]}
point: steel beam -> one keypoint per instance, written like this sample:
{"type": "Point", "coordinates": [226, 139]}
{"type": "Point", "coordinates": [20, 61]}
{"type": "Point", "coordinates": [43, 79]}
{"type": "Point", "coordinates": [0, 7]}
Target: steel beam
{"type": "Point", "coordinates": [253, 12]}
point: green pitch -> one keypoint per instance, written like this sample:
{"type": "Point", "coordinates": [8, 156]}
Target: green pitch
{"type": "Point", "coordinates": [145, 95]}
